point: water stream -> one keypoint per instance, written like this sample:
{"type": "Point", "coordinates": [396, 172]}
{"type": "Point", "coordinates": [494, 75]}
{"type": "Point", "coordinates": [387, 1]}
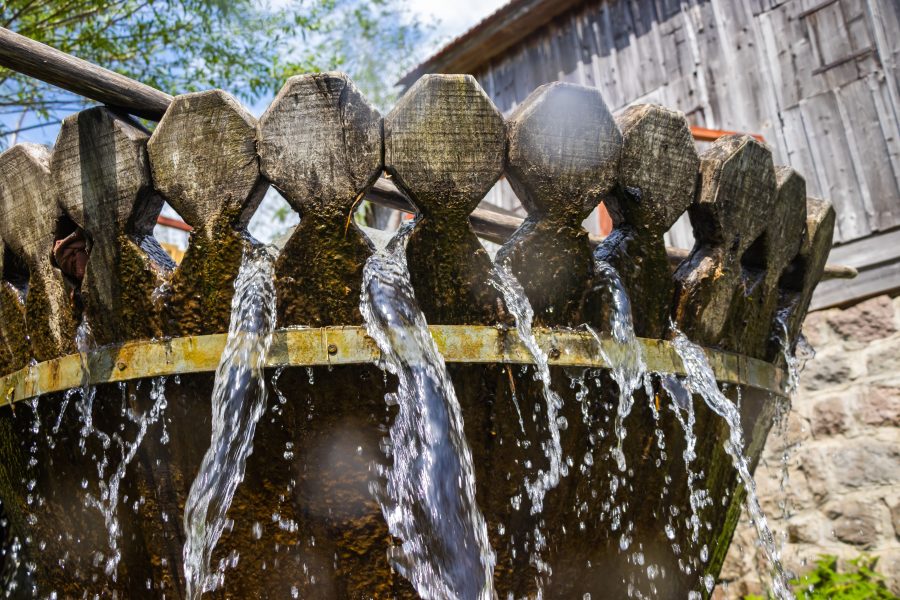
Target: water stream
{"type": "Point", "coordinates": [626, 361]}
{"type": "Point", "coordinates": [701, 381]}
{"type": "Point", "coordinates": [682, 405]}
{"type": "Point", "coordinates": [108, 501]}
{"type": "Point", "coordinates": [519, 306]}
{"type": "Point", "coordinates": [428, 499]}
{"type": "Point", "coordinates": [238, 402]}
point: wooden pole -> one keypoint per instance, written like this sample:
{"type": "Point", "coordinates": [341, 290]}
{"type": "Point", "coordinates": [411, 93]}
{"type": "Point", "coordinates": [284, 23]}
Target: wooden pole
{"type": "Point", "coordinates": [40, 61]}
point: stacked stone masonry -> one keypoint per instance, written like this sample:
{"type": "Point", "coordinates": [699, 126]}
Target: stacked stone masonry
{"type": "Point", "coordinates": [843, 444]}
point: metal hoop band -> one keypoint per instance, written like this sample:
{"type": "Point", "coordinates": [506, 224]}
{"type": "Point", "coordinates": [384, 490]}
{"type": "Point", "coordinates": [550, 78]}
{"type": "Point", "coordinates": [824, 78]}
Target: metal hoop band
{"type": "Point", "coordinates": [350, 345]}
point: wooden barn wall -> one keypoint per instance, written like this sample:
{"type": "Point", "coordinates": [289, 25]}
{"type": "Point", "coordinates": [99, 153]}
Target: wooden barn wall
{"type": "Point", "coordinates": [817, 78]}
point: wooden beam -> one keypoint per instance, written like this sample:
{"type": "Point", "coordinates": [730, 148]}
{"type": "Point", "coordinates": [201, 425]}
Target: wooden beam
{"type": "Point", "coordinates": [173, 223]}
{"type": "Point", "coordinates": [40, 61]}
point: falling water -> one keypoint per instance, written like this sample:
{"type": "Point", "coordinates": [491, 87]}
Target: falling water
{"type": "Point", "coordinates": [108, 501]}
{"type": "Point", "coordinates": [682, 405]}
{"type": "Point", "coordinates": [626, 361]}
{"type": "Point", "coordinates": [238, 402]}
{"type": "Point", "coordinates": [702, 381]}
{"type": "Point", "coordinates": [795, 360]}
{"type": "Point", "coordinates": [429, 497]}
{"type": "Point", "coordinates": [84, 341]}
{"type": "Point", "coordinates": [628, 370]}
{"type": "Point", "coordinates": [519, 306]}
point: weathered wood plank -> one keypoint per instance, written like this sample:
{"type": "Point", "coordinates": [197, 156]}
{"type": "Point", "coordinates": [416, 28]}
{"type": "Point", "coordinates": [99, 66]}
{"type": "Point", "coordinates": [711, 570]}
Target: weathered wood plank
{"type": "Point", "coordinates": [834, 165]}
{"type": "Point", "coordinates": [29, 216]}
{"type": "Point", "coordinates": [875, 280]}
{"type": "Point", "coordinates": [800, 282]}
{"type": "Point", "coordinates": [730, 211]}
{"type": "Point", "coordinates": [14, 348]}
{"type": "Point", "coordinates": [101, 178]}
{"type": "Point", "coordinates": [870, 151]}
{"type": "Point", "coordinates": [320, 145]}
{"type": "Point", "coordinates": [564, 149]}
{"type": "Point", "coordinates": [204, 162]}
{"type": "Point", "coordinates": [657, 175]}
{"type": "Point", "coordinates": [751, 325]}
{"type": "Point", "coordinates": [445, 147]}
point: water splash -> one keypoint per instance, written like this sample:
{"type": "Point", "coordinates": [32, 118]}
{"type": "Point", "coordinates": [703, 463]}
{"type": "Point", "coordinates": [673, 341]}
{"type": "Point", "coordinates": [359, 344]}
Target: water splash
{"type": "Point", "coordinates": [429, 497]}
{"type": "Point", "coordinates": [238, 402]}
{"type": "Point", "coordinates": [702, 381]}
{"type": "Point", "coordinates": [519, 306]}
{"type": "Point", "coordinates": [108, 501]}
{"type": "Point", "coordinates": [84, 342]}
{"type": "Point", "coordinates": [682, 404]}
{"type": "Point", "coordinates": [626, 361]}
{"type": "Point", "coordinates": [794, 359]}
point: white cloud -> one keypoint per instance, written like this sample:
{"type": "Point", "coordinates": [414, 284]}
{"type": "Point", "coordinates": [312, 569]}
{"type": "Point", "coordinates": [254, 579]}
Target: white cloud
{"type": "Point", "coordinates": [455, 16]}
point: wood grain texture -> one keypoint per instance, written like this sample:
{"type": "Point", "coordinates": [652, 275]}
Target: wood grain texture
{"type": "Point", "coordinates": [203, 155]}
{"type": "Point", "coordinates": [14, 348]}
{"type": "Point", "coordinates": [204, 162]}
{"type": "Point", "coordinates": [806, 269]}
{"type": "Point", "coordinates": [320, 145]}
{"type": "Point", "coordinates": [101, 178]}
{"type": "Point", "coordinates": [29, 216]}
{"type": "Point", "coordinates": [733, 202]}
{"type": "Point", "coordinates": [657, 177]}
{"type": "Point", "coordinates": [40, 61]}
{"type": "Point", "coordinates": [752, 324]}
{"type": "Point", "coordinates": [445, 146]}
{"type": "Point", "coordinates": [564, 149]}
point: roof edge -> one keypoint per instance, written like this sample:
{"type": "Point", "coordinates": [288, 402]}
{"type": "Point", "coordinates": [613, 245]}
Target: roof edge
{"type": "Point", "coordinates": [496, 33]}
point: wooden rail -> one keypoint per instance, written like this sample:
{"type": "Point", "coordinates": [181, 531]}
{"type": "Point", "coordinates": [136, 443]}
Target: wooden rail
{"type": "Point", "coordinates": [40, 61]}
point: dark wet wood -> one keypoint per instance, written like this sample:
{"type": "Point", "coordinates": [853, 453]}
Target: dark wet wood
{"type": "Point", "coordinates": [564, 149]}
{"type": "Point", "coordinates": [304, 516]}
{"type": "Point", "coordinates": [751, 326]}
{"type": "Point", "coordinates": [730, 210]}
{"type": "Point", "coordinates": [101, 178]}
{"type": "Point", "coordinates": [445, 146]}
{"type": "Point", "coordinates": [14, 349]}
{"type": "Point", "coordinates": [657, 177]}
{"type": "Point", "coordinates": [204, 162]}
{"type": "Point", "coordinates": [320, 145]}
{"type": "Point", "coordinates": [29, 217]}
{"type": "Point", "coordinates": [799, 281]}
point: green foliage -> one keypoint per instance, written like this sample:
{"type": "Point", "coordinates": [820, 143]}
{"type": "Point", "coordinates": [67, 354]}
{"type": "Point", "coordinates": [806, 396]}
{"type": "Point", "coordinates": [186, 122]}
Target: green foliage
{"type": "Point", "coordinates": [861, 582]}
{"type": "Point", "coordinates": [248, 47]}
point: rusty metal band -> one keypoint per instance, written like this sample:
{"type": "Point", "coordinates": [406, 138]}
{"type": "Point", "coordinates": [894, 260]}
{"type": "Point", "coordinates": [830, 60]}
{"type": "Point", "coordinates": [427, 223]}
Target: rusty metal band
{"type": "Point", "coordinates": [350, 345]}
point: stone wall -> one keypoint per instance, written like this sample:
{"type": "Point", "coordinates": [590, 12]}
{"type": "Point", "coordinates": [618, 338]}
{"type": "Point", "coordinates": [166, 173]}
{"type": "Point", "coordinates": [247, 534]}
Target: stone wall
{"type": "Point", "coordinates": [843, 444]}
